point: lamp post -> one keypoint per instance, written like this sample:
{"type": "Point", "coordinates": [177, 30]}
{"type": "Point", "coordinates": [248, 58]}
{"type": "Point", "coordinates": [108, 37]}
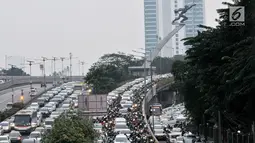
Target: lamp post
{"type": "Point", "coordinates": [12, 66]}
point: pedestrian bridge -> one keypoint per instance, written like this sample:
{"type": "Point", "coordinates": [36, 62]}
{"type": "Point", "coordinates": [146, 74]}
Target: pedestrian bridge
{"type": "Point", "coordinates": [23, 80]}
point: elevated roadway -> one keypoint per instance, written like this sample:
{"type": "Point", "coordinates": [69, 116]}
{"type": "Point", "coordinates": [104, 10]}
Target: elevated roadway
{"type": "Point", "coordinates": [24, 80]}
{"type": "Point", "coordinates": [6, 95]}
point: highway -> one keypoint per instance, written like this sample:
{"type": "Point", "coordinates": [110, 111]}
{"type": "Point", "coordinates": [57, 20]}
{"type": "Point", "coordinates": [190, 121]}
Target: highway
{"type": "Point", "coordinates": [6, 95]}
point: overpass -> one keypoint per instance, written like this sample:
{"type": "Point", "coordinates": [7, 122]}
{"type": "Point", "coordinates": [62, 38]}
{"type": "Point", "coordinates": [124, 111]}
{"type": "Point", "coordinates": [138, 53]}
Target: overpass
{"type": "Point", "coordinates": [23, 80]}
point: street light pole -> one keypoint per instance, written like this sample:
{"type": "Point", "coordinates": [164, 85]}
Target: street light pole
{"type": "Point", "coordinates": [54, 69]}
{"type": "Point", "coordinates": [44, 76]}
{"type": "Point", "coordinates": [82, 68]}
{"type": "Point", "coordinates": [12, 66]}
{"type": "Point", "coordinates": [30, 72]}
{"type": "Point", "coordinates": [71, 56]}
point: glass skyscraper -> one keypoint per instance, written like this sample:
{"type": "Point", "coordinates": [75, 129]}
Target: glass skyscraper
{"type": "Point", "coordinates": [196, 17]}
{"type": "Point", "coordinates": [150, 25]}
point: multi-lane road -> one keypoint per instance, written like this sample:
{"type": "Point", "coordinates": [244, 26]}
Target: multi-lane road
{"type": "Point", "coordinates": [6, 95]}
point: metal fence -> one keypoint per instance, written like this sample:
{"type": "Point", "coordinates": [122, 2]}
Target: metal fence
{"type": "Point", "coordinates": [212, 134]}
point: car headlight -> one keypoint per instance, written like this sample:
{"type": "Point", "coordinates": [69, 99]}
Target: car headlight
{"type": "Point", "coordinates": [33, 124]}
{"type": "Point", "coordinates": [12, 125]}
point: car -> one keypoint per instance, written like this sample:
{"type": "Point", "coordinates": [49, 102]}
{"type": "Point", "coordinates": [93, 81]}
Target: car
{"type": "Point", "coordinates": [57, 100]}
{"type": "Point", "coordinates": [40, 129]}
{"type": "Point", "coordinates": [30, 140]}
{"type": "Point", "coordinates": [55, 114]}
{"type": "Point", "coordinates": [6, 127]}
{"type": "Point", "coordinates": [5, 138]}
{"type": "Point", "coordinates": [47, 97]}
{"type": "Point", "coordinates": [41, 101]}
{"type": "Point", "coordinates": [15, 137]}
{"type": "Point", "coordinates": [121, 138]}
{"type": "Point", "coordinates": [43, 85]}
{"type": "Point", "coordinates": [36, 135]}
{"type": "Point", "coordinates": [35, 106]}
{"type": "Point", "coordinates": [51, 107]}
{"type": "Point", "coordinates": [45, 112]}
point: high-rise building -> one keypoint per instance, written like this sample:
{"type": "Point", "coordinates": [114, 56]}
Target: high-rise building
{"type": "Point", "coordinates": [158, 17]}
{"type": "Point", "coordinates": [150, 25]}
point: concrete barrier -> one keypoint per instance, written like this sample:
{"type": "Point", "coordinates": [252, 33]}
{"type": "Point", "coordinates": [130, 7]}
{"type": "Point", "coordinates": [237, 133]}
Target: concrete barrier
{"type": "Point", "coordinates": [23, 80]}
{"type": "Point", "coordinates": [144, 105]}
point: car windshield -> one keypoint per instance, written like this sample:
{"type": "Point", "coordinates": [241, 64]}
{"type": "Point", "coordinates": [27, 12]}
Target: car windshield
{"type": "Point", "coordinates": [14, 134]}
{"type": "Point", "coordinates": [48, 105]}
{"type": "Point", "coordinates": [55, 113]}
{"type": "Point", "coordinates": [158, 127]}
{"type": "Point", "coordinates": [121, 139]}
{"type": "Point", "coordinates": [49, 122]}
{"type": "Point", "coordinates": [4, 124]}
{"type": "Point", "coordinates": [35, 135]}
{"type": "Point", "coordinates": [39, 129]}
{"type": "Point", "coordinates": [40, 99]}
{"type": "Point", "coordinates": [3, 138]}
{"type": "Point", "coordinates": [120, 126]}
{"type": "Point", "coordinates": [65, 105]}
{"type": "Point", "coordinates": [126, 105]}
{"type": "Point", "coordinates": [22, 120]}
{"type": "Point", "coordinates": [44, 109]}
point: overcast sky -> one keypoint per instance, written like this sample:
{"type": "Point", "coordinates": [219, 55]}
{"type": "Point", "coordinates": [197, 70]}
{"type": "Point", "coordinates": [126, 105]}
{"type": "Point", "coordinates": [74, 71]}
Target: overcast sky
{"type": "Point", "coordinates": [87, 28]}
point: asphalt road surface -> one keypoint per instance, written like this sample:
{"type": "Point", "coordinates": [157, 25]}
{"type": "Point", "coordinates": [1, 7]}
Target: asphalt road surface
{"type": "Point", "coordinates": [7, 97]}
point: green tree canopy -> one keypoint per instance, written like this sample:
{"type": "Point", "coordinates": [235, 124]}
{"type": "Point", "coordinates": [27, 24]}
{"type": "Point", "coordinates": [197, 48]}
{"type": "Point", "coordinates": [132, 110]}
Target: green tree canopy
{"type": "Point", "coordinates": [110, 70]}
{"type": "Point", "coordinates": [14, 71]}
{"type": "Point", "coordinates": [220, 71]}
{"type": "Point", "coordinates": [71, 130]}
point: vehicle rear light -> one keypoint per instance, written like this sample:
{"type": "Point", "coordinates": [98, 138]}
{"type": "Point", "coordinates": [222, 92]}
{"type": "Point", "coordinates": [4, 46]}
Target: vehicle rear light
{"type": "Point", "coordinates": [19, 138]}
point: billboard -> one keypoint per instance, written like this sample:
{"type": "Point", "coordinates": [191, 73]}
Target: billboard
{"type": "Point", "coordinates": [92, 102]}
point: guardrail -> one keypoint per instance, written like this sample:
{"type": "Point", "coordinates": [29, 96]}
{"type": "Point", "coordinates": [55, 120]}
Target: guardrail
{"type": "Point", "coordinates": [22, 80]}
{"type": "Point", "coordinates": [148, 97]}
{"type": "Point", "coordinates": [145, 119]}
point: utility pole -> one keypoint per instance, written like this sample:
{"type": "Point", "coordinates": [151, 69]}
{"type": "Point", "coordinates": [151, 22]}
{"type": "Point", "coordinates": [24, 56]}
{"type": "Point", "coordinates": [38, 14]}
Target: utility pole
{"type": "Point", "coordinates": [82, 68]}
{"type": "Point", "coordinates": [44, 76]}
{"type": "Point", "coordinates": [62, 62]}
{"type": "Point", "coordinates": [30, 72]}
{"type": "Point", "coordinates": [12, 84]}
{"type": "Point", "coordinates": [79, 67]}
{"type": "Point", "coordinates": [54, 69]}
{"type": "Point", "coordinates": [71, 56]}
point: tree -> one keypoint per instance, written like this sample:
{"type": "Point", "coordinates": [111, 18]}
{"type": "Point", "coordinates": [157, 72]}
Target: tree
{"type": "Point", "coordinates": [219, 71]}
{"type": "Point", "coordinates": [163, 64]}
{"type": "Point", "coordinates": [109, 71]}
{"type": "Point", "coordinates": [14, 71]}
{"type": "Point", "coordinates": [71, 129]}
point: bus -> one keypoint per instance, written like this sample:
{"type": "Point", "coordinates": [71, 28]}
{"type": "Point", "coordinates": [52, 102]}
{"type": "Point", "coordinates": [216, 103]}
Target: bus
{"type": "Point", "coordinates": [25, 121]}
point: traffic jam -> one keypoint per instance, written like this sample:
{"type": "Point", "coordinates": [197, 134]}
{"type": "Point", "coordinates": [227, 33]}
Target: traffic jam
{"type": "Point", "coordinates": [125, 122]}
{"type": "Point", "coordinates": [30, 124]}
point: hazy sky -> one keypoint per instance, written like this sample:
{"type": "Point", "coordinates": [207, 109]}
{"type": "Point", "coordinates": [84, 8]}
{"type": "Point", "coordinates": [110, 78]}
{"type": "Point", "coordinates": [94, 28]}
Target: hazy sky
{"type": "Point", "coordinates": [87, 28]}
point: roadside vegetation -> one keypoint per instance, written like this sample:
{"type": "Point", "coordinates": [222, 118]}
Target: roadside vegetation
{"type": "Point", "coordinates": [71, 129]}
{"type": "Point", "coordinates": [218, 73]}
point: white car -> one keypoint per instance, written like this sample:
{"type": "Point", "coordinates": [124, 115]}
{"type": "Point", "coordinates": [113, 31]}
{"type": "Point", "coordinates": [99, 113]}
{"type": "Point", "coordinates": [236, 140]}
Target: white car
{"type": "Point", "coordinates": [6, 127]}
{"type": "Point", "coordinates": [36, 135]}
{"type": "Point", "coordinates": [5, 139]}
{"type": "Point", "coordinates": [34, 106]}
{"type": "Point", "coordinates": [121, 138]}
